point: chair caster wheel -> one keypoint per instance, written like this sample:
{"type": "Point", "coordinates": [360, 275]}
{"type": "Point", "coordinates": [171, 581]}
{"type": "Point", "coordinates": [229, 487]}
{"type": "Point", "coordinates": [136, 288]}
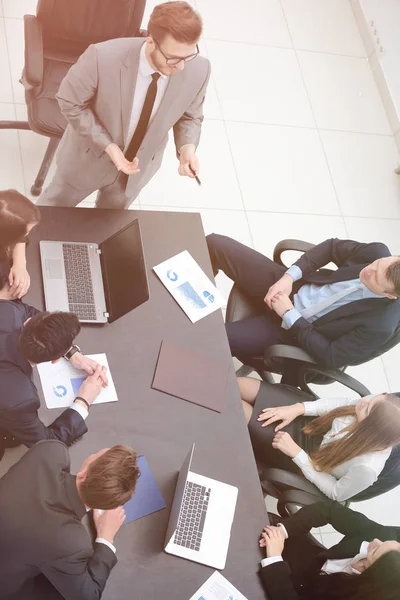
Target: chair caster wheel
{"type": "Point", "coordinates": [36, 190]}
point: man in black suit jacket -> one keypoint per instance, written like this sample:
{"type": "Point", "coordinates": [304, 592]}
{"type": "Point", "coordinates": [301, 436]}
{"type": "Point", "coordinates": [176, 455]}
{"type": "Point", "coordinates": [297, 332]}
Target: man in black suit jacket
{"type": "Point", "coordinates": [303, 558]}
{"type": "Point", "coordinates": [44, 547]}
{"type": "Point", "coordinates": [350, 314]}
{"type": "Point", "coordinates": [28, 337]}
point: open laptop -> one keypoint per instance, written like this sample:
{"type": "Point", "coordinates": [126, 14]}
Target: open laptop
{"type": "Point", "coordinates": [98, 283]}
{"type": "Point", "coordinates": [200, 522]}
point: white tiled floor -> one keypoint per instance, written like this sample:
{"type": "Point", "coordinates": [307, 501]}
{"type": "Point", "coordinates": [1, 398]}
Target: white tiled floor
{"type": "Point", "coordinates": [296, 142]}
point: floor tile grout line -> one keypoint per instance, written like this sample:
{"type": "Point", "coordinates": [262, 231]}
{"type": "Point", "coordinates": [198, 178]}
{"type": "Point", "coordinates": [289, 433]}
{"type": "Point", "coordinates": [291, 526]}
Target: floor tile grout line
{"type": "Point", "coordinates": [231, 154]}
{"type": "Point", "coordinates": [386, 373]}
{"type": "Point", "coordinates": [280, 212]}
{"type": "Point", "coordinates": [389, 135]}
{"type": "Point", "coordinates": [293, 47]}
{"type": "Point", "coordinates": [316, 123]}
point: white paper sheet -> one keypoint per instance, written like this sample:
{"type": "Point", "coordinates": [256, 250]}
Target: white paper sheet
{"type": "Point", "coordinates": [61, 381]}
{"type": "Point", "coordinates": [190, 286]}
{"type": "Point", "coordinates": [217, 588]}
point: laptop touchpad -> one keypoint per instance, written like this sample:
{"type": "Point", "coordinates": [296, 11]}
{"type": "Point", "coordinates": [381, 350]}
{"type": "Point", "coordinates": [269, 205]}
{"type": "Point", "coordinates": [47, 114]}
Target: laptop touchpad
{"type": "Point", "coordinates": [54, 268]}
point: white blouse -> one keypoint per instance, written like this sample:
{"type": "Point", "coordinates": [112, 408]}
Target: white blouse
{"type": "Point", "coordinates": [352, 476]}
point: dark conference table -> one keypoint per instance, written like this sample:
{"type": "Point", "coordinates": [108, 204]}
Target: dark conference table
{"type": "Point", "coordinates": [157, 425]}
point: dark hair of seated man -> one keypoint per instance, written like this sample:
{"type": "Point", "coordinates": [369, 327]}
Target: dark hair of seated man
{"type": "Point", "coordinates": [48, 336]}
{"type": "Point", "coordinates": [108, 479]}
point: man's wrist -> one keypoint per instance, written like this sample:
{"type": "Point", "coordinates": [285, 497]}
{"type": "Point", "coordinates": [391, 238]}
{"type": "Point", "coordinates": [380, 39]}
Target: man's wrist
{"type": "Point", "coordinates": [82, 402]}
{"type": "Point", "coordinates": [74, 349]}
{"type": "Point", "coordinates": [187, 147]}
{"type": "Point", "coordinates": [104, 536]}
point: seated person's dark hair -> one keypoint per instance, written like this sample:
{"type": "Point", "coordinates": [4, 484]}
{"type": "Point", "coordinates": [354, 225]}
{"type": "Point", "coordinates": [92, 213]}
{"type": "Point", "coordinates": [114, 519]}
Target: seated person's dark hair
{"type": "Point", "coordinates": [48, 336]}
{"type": "Point", "coordinates": [5, 266]}
{"type": "Point", "coordinates": [393, 275]}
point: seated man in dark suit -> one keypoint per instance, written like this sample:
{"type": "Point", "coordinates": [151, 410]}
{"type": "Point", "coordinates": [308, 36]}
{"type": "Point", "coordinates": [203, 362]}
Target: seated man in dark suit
{"type": "Point", "coordinates": [45, 550]}
{"type": "Point", "coordinates": [340, 317]}
{"type": "Point", "coordinates": [28, 337]}
{"type": "Point", "coordinates": [364, 565]}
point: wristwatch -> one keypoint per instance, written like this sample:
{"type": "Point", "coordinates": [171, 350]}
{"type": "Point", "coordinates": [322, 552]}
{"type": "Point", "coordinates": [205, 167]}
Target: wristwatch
{"type": "Point", "coordinates": [73, 350]}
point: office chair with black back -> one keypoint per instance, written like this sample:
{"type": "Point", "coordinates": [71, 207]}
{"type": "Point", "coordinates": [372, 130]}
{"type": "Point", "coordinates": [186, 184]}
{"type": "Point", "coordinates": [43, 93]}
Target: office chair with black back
{"type": "Point", "coordinates": [296, 366]}
{"type": "Point", "coordinates": [295, 491]}
{"type": "Point", "coordinates": [54, 39]}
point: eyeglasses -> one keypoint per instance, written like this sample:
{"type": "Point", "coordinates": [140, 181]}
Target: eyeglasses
{"type": "Point", "coordinates": [174, 60]}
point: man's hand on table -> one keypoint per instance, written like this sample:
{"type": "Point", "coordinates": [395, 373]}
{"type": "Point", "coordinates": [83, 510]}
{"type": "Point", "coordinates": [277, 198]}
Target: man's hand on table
{"type": "Point", "coordinates": [273, 540]}
{"type": "Point", "coordinates": [84, 363]}
{"type": "Point", "coordinates": [92, 385]}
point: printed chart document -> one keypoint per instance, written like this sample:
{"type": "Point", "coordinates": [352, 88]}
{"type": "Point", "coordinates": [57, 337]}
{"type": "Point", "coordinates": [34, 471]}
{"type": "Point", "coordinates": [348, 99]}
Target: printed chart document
{"type": "Point", "coordinates": [217, 588]}
{"type": "Point", "coordinates": [190, 286]}
{"type": "Point", "coordinates": [61, 382]}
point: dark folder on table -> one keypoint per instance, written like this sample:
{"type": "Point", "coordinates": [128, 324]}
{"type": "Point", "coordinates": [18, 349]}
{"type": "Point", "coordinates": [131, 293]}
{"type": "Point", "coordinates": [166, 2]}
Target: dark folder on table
{"type": "Point", "coordinates": [147, 497]}
{"type": "Point", "coordinates": [191, 376]}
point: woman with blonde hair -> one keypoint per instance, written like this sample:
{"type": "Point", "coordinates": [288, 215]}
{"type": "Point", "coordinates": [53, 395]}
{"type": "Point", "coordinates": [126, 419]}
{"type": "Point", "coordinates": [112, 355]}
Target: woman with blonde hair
{"type": "Point", "coordinates": [342, 451]}
{"type": "Point", "coordinates": [18, 216]}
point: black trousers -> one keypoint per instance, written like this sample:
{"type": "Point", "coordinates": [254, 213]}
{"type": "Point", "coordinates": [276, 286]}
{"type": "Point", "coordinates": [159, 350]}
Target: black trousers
{"type": "Point", "coordinates": [254, 274]}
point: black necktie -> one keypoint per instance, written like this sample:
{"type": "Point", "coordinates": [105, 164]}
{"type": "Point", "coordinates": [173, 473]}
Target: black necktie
{"type": "Point", "coordinates": [144, 119]}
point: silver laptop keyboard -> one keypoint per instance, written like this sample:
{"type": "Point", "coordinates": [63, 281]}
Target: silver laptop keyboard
{"type": "Point", "coordinates": [79, 281]}
{"type": "Point", "coordinates": [192, 516]}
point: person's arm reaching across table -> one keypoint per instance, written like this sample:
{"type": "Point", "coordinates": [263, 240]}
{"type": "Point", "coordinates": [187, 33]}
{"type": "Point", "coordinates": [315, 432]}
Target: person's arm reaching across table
{"type": "Point", "coordinates": [22, 421]}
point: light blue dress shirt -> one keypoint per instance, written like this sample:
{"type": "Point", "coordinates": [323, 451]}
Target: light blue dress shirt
{"type": "Point", "coordinates": [310, 293]}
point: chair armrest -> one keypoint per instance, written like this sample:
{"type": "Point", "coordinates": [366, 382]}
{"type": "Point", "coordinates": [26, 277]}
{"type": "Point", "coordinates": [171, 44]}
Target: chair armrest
{"type": "Point", "coordinates": [285, 480]}
{"type": "Point", "coordinates": [334, 374]}
{"type": "Point", "coordinates": [33, 68]}
{"type": "Point", "coordinates": [283, 245]}
{"type": "Point", "coordinates": [286, 351]}
{"type": "Point", "coordinates": [290, 501]}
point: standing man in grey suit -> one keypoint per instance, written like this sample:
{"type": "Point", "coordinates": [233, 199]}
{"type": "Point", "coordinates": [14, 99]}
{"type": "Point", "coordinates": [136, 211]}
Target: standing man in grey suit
{"type": "Point", "coordinates": [120, 100]}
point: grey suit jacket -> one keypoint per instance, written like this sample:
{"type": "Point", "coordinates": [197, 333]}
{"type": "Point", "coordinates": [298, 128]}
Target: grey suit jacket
{"type": "Point", "coordinates": [96, 98]}
{"type": "Point", "coordinates": [42, 540]}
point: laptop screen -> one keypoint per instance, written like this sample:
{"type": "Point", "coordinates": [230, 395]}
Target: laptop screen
{"type": "Point", "coordinates": [178, 496]}
{"type": "Point", "coordinates": [124, 271]}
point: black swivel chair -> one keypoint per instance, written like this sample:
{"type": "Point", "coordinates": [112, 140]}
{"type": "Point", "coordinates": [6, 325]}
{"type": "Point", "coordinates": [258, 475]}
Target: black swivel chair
{"type": "Point", "coordinates": [54, 39]}
{"type": "Point", "coordinates": [281, 358]}
{"type": "Point", "coordinates": [295, 491]}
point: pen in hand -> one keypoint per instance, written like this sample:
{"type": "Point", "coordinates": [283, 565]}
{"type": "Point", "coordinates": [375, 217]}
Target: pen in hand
{"type": "Point", "coordinates": [195, 175]}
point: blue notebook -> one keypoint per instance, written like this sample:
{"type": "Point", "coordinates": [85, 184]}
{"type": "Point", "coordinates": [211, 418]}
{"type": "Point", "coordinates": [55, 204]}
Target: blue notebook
{"type": "Point", "coordinates": [147, 497]}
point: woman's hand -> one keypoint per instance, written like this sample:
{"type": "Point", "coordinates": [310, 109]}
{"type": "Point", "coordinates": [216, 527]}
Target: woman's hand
{"type": "Point", "coordinates": [273, 540]}
{"type": "Point", "coordinates": [286, 414]}
{"type": "Point", "coordinates": [284, 442]}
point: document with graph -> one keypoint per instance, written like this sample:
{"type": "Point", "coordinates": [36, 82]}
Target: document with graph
{"type": "Point", "coordinates": [217, 588]}
{"type": "Point", "coordinates": [61, 382]}
{"type": "Point", "coordinates": [190, 286]}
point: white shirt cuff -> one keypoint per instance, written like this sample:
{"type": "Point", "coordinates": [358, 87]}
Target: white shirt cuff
{"type": "Point", "coordinates": [284, 529]}
{"type": "Point", "coordinates": [103, 541]}
{"type": "Point", "coordinates": [271, 560]}
{"type": "Point", "coordinates": [309, 409]}
{"type": "Point", "coordinates": [290, 317]}
{"type": "Point", "coordinates": [295, 272]}
{"type": "Point", "coordinates": [301, 458]}
{"type": "Point", "coordinates": [80, 409]}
